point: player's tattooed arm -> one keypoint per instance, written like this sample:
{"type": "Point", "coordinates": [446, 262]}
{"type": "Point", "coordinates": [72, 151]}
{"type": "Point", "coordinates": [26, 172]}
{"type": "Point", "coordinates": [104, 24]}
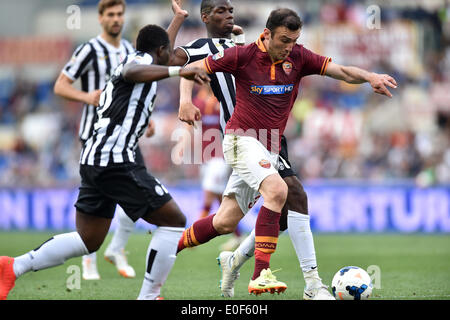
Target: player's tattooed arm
{"type": "Point", "coordinates": [355, 75]}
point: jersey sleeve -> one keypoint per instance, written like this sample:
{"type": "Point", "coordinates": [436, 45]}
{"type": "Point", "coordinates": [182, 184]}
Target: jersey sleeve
{"type": "Point", "coordinates": [143, 59]}
{"type": "Point", "coordinates": [312, 63]}
{"type": "Point", "coordinates": [224, 61]}
{"type": "Point", "coordinates": [80, 62]}
{"type": "Point", "coordinates": [135, 58]}
{"type": "Point", "coordinates": [196, 50]}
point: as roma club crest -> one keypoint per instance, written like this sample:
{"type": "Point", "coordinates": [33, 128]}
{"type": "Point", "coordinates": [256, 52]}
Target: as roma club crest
{"type": "Point", "coordinates": [265, 164]}
{"type": "Point", "coordinates": [218, 55]}
{"type": "Point", "coordinates": [287, 67]}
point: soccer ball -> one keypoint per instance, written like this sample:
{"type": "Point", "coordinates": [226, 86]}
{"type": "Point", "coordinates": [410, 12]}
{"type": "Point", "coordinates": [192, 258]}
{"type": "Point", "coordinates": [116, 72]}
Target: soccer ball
{"type": "Point", "coordinates": [351, 283]}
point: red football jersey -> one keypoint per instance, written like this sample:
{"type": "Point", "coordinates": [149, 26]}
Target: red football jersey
{"type": "Point", "coordinates": [265, 91]}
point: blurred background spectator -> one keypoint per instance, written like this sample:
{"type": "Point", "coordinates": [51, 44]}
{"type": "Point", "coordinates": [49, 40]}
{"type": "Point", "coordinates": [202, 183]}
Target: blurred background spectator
{"type": "Point", "coordinates": [336, 131]}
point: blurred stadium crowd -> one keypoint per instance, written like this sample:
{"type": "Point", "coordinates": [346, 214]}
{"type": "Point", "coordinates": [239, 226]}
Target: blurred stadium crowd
{"type": "Point", "coordinates": [336, 131]}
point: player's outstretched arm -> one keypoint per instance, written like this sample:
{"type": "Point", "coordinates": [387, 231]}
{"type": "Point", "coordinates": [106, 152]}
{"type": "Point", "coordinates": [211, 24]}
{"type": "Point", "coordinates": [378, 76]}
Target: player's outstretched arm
{"type": "Point", "coordinates": [137, 73]}
{"type": "Point", "coordinates": [179, 15]}
{"type": "Point", "coordinates": [355, 75]}
{"type": "Point", "coordinates": [198, 75]}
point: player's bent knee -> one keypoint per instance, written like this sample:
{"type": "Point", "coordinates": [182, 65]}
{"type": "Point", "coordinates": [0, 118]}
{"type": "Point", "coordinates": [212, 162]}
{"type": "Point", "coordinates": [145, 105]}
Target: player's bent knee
{"type": "Point", "coordinates": [92, 245]}
{"type": "Point", "coordinates": [91, 242]}
{"type": "Point", "coordinates": [177, 220]}
{"type": "Point", "coordinates": [274, 191]}
{"type": "Point", "coordinates": [92, 230]}
{"type": "Point", "coordinates": [277, 195]}
{"type": "Point", "coordinates": [180, 221]}
{"type": "Point", "coordinates": [169, 215]}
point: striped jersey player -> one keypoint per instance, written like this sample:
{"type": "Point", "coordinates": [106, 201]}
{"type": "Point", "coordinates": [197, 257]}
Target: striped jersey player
{"type": "Point", "coordinates": [222, 84]}
{"type": "Point", "coordinates": [124, 112]}
{"type": "Point", "coordinates": [121, 180]}
{"type": "Point", "coordinates": [93, 63]}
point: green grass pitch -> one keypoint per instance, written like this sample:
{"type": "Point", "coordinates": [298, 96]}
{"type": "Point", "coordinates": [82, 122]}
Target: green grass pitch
{"type": "Point", "coordinates": [413, 266]}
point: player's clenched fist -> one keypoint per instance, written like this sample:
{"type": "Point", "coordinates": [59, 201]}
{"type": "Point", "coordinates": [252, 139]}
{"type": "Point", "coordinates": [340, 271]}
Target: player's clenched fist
{"type": "Point", "coordinates": [93, 97]}
{"type": "Point", "coordinates": [189, 113]}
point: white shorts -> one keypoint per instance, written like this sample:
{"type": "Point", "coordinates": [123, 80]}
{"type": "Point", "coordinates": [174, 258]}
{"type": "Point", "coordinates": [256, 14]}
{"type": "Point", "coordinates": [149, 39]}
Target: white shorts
{"type": "Point", "coordinates": [251, 163]}
{"type": "Point", "coordinates": [215, 174]}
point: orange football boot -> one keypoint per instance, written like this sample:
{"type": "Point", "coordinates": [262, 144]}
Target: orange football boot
{"type": "Point", "coordinates": [7, 276]}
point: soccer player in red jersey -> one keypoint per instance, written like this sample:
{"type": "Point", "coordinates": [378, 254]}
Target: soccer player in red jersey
{"type": "Point", "coordinates": [218, 15]}
{"type": "Point", "coordinates": [268, 75]}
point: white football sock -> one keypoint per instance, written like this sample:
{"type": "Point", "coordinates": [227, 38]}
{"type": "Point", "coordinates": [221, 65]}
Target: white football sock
{"type": "Point", "coordinates": [51, 253]}
{"type": "Point", "coordinates": [92, 257]}
{"type": "Point", "coordinates": [302, 239]}
{"type": "Point", "coordinates": [247, 247]}
{"type": "Point", "coordinates": [245, 251]}
{"type": "Point", "coordinates": [161, 256]}
{"type": "Point", "coordinates": [122, 233]}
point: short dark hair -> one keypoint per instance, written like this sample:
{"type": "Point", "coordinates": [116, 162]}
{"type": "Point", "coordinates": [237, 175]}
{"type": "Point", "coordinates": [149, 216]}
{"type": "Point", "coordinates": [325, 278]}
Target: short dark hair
{"type": "Point", "coordinates": [207, 6]}
{"type": "Point", "coordinates": [284, 18]}
{"type": "Point", "coordinates": [151, 37]}
{"type": "Point", "coordinates": [106, 4]}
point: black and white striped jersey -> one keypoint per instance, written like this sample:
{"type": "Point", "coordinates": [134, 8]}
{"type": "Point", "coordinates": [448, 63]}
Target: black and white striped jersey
{"type": "Point", "coordinates": [222, 84]}
{"type": "Point", "coordinates": [94, 62]}
{"type": "Point", "coordinates": [122, 117]}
